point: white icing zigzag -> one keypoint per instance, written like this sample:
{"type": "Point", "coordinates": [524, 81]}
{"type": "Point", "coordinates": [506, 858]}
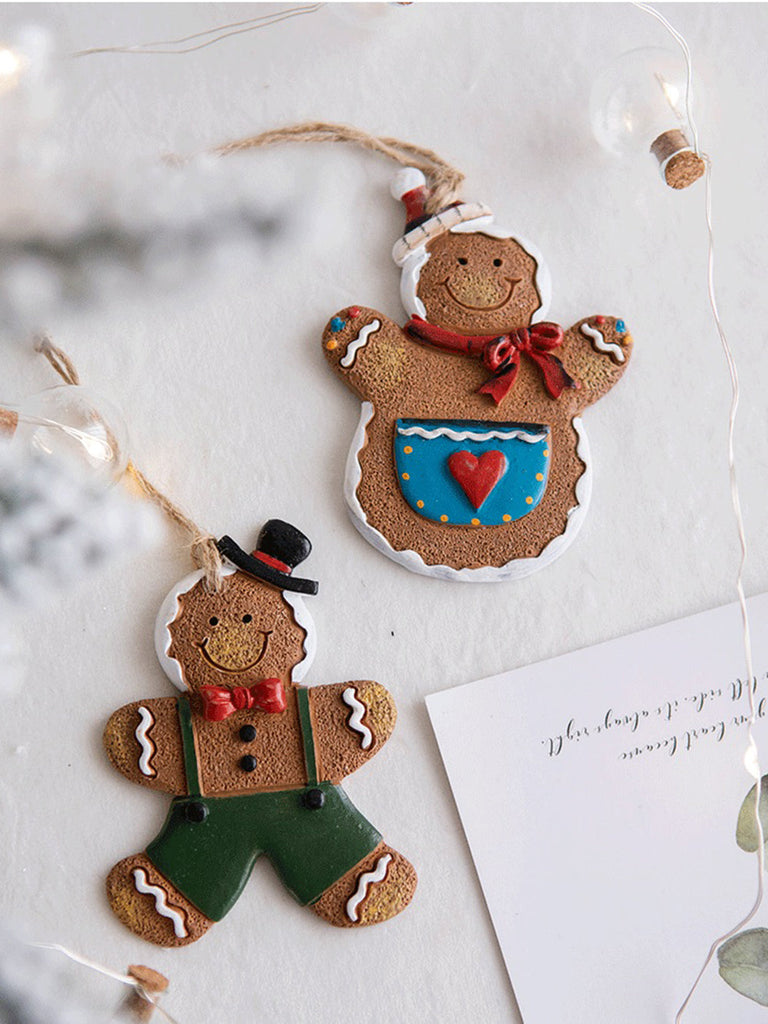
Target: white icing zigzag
{"type": "Point", "coordinates": [161, 902]}
{"type": "Point", "coordinates": [146, 744]}
{"type": "Point", "coordinates": [598, 341]}
{"type": "Point", "coordinates": [350, 698]}
{"type": "Point", "coordinates": [517, 433]}
{"type": "Point", "coordinates": [367, 879]}
{"type": "Point", "coordinates": [359, 342]}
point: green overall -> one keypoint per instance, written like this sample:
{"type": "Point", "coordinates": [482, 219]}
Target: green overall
{"type": "Point", "coordinates": [208, 845]}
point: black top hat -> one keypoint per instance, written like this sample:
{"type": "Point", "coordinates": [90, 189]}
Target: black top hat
{"type": "Point", "coordinates": [279, 550]}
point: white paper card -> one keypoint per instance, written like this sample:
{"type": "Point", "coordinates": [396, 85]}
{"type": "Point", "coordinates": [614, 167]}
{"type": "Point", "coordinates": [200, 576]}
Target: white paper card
{"type": "Point", "coordinates": [599, 793]}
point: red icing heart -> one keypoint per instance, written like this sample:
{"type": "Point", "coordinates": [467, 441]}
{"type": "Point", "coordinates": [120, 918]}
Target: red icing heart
{"type": "Point", "coordinates": [477, 477]}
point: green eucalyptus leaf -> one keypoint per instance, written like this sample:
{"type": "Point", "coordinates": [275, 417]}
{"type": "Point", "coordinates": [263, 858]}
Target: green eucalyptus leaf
{"type": "Point", "coordinates": [743, 963]}
{"type": "Point", "coordinates": [746, 826]}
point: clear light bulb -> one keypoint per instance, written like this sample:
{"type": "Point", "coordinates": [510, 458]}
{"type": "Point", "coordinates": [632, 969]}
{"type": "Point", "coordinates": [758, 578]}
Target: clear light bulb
{"type": "Point", "coordinates": [70, 422]}
{"type": "Point", "coordinates": [638, 106]}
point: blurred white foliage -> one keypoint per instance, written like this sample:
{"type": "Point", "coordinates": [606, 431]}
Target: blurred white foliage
{"type": "Point", "coordinates": [74, 233]}
{"type": "Point", "coordinates": [57, 524]}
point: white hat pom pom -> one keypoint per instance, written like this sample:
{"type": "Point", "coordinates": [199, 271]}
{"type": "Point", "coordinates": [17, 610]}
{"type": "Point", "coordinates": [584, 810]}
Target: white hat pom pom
{"type": "Point", "coordinates": [406, 181]}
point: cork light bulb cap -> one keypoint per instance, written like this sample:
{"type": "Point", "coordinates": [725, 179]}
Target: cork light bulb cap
{"type": "Point", "coordinates": [680, 166]}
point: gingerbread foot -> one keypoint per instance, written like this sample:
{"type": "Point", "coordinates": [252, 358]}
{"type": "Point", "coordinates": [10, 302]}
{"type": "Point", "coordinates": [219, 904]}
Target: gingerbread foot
{"type": "Point", "coordinates": [377, 888]}
{"type": "Point", "coordinates": [153, 908]}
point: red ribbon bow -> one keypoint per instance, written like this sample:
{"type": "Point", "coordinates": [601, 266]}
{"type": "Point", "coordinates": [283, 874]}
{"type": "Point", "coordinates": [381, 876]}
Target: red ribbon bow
{"type": "Point", "coordinates": [501, 355]}
{"type": "Point", "coordinates": [219, 702]}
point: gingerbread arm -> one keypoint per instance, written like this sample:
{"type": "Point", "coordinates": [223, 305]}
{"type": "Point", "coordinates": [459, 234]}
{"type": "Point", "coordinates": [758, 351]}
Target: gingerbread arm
{"type": "Point", "coordinates": [369, 351]}
{"type": "Point", "coordinates": [351, 722]}
{"type": "Point", "coordinates": [143, 741]}
{"type": "Point", "coordinates": [596, 352]}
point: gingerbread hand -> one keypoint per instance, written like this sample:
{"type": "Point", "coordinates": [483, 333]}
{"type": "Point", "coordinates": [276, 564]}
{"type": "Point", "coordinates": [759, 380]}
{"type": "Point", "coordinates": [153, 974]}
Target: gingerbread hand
{"type": "Point", "coordinates": [143, 742]}
{"type": "Point", "coordinates": [596, 352]}
{"type": "Point", "coordinates": [368, 350]}
{"type": "Point", "coordinates": [352, 721]}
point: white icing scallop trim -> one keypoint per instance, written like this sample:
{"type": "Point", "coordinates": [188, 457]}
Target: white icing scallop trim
{"type": "Point", "coordinates": [516, 569]}
{"type": "Point", "coordinates": [162, 906]}
{"type": "Point", "coordinates": [598, 341]}
{"type": "Point", "coordinates": [359, 342]}
{"type": "Point", "coordinates": [413, 265]}
{"type": "Point", "coordinates": [530, 436]}
{"type": "Point", "coordinates": [350, 698]}
{"type": "Point", "coordinates": [147, 746]}
{"type": "Point", "coordinates": [364, 882]}
{"type": "Point", "coordinates": [305, 620]}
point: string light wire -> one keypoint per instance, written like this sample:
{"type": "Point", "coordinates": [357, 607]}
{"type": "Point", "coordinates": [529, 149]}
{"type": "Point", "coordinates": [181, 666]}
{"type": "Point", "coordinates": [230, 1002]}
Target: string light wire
{"type": "Point", "coordinates": [751, 754]}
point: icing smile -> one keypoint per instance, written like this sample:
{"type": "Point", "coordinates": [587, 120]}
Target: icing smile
{"type": "Point", "coordinates": [513, 283]}
{"type": "Point", "coordinates": [264, 640]}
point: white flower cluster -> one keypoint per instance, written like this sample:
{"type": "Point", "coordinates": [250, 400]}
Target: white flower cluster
{"type": "Point", "coordinates": [56, 525]}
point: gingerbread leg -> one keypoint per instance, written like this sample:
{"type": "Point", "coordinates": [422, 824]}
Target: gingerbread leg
{"type": "Point", "coordinates": [377, 888]}
{"type": "Point", "coordinates": [153, 908]}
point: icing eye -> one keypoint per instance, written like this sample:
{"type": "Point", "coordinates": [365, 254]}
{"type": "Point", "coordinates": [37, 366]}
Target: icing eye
{"type": "Point", "coordinates": [213, 621]}
{"type": "Point", "coordinates": [247, 618]}
{"type": "Point", "coordinates": [497, 263]}
{"type": "Point", "coordinates": [463, 261]}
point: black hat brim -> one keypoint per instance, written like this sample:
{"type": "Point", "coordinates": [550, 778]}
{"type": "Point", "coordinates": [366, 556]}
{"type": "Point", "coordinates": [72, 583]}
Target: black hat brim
{"type": "Point", "coordinates": [268, 573]}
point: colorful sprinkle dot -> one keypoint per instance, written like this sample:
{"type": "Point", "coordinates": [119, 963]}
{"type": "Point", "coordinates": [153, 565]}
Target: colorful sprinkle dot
{"type": "Point", "coordinates": [621, 327]}
{"type": "Point", "coordinates": [406, 476]}
{"type": "Point", "coordinates": [475, 522]}
{"type": "Point", "coordinates": [337, 324]}
{"type": "Point", "coordinates": [599, 320]}
{"type": "Point", "coordinates": [354, 311]}
{"type": "Point", "coordinates": [539, 476]}
{"type": "Point", "coordinates": [507, 518]}
{"type": "Point", "coordinates": [331, 345]}
{"type": "Point", "coordinates": [443, 519]}
{"type": "Point", "coordinates": [627, 339]}
{"type": "Point", "coordinates": [420, 504]}
{"type": "Point", "coordinates": [545, 453]}
{"type": "Point", "coordinates": [407, 449]}
{"type": "Point", "coordinates": [529, 501]}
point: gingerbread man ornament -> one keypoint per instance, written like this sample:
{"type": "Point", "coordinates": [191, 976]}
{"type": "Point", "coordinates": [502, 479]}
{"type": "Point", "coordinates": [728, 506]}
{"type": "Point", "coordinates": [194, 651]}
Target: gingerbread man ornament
{"type": "Point", "coordinates": [253, 761]}
{"type": "Point", "coordinates": [471, 461]}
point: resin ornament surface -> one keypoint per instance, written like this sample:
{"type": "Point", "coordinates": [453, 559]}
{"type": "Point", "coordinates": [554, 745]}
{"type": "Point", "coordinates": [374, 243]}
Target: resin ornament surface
{"type": "Point", "coordinates": [470, 461]}
{"type": "Point", "coordinates": [253, 760]}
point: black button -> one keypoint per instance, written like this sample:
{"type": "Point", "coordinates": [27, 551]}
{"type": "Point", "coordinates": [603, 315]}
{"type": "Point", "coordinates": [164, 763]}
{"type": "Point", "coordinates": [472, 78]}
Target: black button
{"type": "Point", "coordinates": [196, 812]}
{"type": "Point", "coordinates": [247, 733]}
{"type": "Point", "coordinates": [248, 763]}
{"type": "Point", "coordinates": [314, 799]}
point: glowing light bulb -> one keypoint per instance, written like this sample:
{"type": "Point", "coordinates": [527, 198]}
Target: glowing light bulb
{"type": "Point", "coordinates": [70, 422]}
{"type": "Point", "coordinates": [638, 106]}
{"type": "Point", "coordinates": [12, 65]}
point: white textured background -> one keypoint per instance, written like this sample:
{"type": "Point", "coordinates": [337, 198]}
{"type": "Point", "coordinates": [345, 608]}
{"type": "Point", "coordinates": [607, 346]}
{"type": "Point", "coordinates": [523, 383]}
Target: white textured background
{"type": "Point", "coordinates": [234, 412]}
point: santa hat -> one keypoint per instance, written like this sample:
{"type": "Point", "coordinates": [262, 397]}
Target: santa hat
{"type": "Point", "coordinates": [410, 186]}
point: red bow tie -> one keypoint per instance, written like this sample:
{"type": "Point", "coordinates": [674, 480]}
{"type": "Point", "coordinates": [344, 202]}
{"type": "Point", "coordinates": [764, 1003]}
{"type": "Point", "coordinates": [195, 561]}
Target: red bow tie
{"type": "Point", "coordinates": [502, 354]}
{"type": "Point", "coordinates": [219, 702]}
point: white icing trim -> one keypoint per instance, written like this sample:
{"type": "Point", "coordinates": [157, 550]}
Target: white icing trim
{"type": "Point", "coordinates": [367, 879]}
{"type": "Point", "coordinates": [516, 569]}
{"type": "Point", "coordinates": [305, 620]}
{"type": "Point", "coordinates": [350, 698]}
{"type": "Point", "coordinates": [169, 609]}
{"type": "Point", "coordinates": [413, 265]}
{"type": "Point", "coordinates": [147, 746]}
{"type": "Point", "coordinates": [520, 434]}
{"type": "Point", "coordinates": [161, 902]}
{"type": "Point", "coordinates": [598, 341]}
{"type": "Point", "coordinates": [359, 342]}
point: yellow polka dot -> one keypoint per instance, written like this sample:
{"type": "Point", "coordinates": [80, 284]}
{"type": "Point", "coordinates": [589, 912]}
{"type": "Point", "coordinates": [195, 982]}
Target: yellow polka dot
{"type": "Point", "coordinates": [507, 518]}
{"type": "Point", "coordinates": [539, 476]}
{"type": "Point", "coordinates": [546, 453]}
{"type": "Point", "coordinates": [420, 504]}
{"type": "Point", "coordinates": [406, 476]}
{"type": "Point", "coordinates": [443, 519]}
{"type": "Point", "coordinates": [529, 501]}
{"type": "Point", "coordinates": [407, 449]}
{"type": "Point", "coordinates": [627, 339]}
{"type": "Point", "coordinates": [475, 522]}
{"type": "Point", "coordinates": [332, 344]}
